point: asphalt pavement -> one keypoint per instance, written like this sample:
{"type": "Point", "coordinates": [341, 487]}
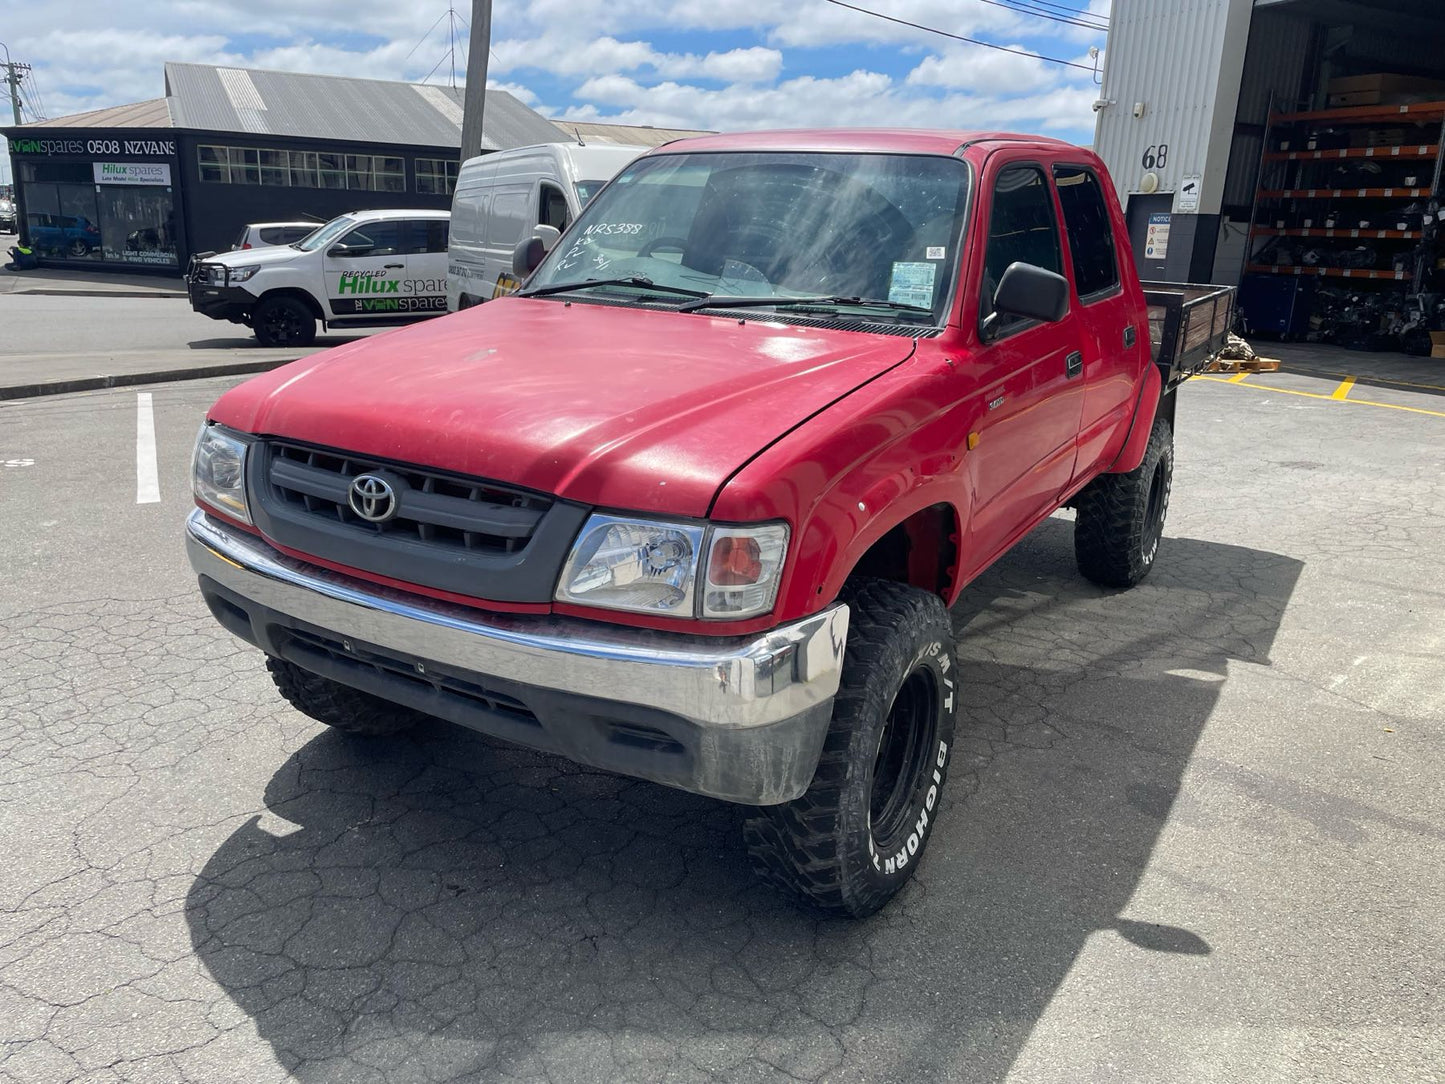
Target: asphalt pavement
{"type": "Point", "coordinates": [71, 332]}
{"type": "Point", "coordinates": [1194, 830]}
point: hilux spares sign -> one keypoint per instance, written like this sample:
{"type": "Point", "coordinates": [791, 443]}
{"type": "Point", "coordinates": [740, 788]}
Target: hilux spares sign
{"type": "Point", "coordinates": [132, 173]}
{"type": "Point", "coordinates": [364, 293]}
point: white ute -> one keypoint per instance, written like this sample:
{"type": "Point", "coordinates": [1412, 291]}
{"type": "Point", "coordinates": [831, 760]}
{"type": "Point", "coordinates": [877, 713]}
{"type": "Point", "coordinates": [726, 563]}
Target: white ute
{"type": "Point", "coordinates": [365, 269]}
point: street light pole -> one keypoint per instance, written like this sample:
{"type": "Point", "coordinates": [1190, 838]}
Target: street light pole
{"type": "Point", "coordinates": [475, 102]}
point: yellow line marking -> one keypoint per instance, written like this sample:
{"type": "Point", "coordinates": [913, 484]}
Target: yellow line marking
{"type": "Point", "coordinates": [1343, 391]}
{"type": "Point", "coordinates": [1326, 398]}
{"type": "Point", "coordinates": [1372, 379]}
{"type": "Point", "coordinates": [1239, 378]}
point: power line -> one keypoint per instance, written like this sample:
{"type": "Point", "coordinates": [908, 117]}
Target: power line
{"type": "Point", "coordinates": [1064, 9]}
{"type": "Point", "coordinates": [1038, 12]}
{"type": "Point", "coordinates": [960, 37]}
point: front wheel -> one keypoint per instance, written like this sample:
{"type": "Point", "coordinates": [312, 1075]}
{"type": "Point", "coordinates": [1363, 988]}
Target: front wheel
{"type": "Point", "coordinates": [77, 248]}
{"type": "Point", "coordinates": [340, 706]}
{"type": "Point", "coordinates": [856, 836]}
{"type": "Point", "coordinates": [1121, 516]}
{"type": "Point", "coordinates": [283, 321]}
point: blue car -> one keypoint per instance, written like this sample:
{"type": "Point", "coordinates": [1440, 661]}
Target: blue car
{"type": "Point", "coordinates": [70, 235]}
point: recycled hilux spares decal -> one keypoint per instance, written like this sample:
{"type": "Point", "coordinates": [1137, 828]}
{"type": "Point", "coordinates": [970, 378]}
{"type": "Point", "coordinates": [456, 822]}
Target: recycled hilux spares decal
{"type": "Point", "coordinates": [366, 293]}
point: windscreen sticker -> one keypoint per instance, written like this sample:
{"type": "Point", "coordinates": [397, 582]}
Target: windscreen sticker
{"type": "Point", "coordinates": [912, 283]}
{"type": "Point", "coordinates": [615, 229]}
{"type": "Point", "coordinates": [937, 252]}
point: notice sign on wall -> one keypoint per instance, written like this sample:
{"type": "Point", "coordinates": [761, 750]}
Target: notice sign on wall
{"type": "Point", "coordinates": [1156, 242]}
{"type": "Point", "coordinates": [132, 173]}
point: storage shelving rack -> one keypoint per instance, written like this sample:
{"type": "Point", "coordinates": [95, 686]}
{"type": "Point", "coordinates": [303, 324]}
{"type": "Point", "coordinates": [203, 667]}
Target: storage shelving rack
{"type": "Point", "coordinates": [1290, 188]}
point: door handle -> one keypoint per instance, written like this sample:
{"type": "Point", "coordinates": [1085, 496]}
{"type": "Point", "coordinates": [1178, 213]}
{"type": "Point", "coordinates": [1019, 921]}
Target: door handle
{"type": "Point", "coordinates": [1129, 336]}
{"type": "Point", "coordinates": [390, 265]}
{"type": "Point", "coordinates": [1074, 364]}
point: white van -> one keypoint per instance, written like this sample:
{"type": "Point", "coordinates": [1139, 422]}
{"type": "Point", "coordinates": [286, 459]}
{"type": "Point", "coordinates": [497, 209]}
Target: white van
{"type": "Point", "coordinates": [529, 190]}
{"type": "Point", "coordinates": [364, 269]}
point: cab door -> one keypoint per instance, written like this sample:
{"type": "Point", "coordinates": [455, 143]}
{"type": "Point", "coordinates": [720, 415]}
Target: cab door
{"type": "Point", "coordinates": [1027, 373]}
{"type": "Point", "coordinates": [363, 272]}
{"type": "Point", "coordinates": [1106, 315]}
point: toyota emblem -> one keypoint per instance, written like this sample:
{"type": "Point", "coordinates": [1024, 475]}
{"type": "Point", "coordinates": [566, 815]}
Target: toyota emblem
{"type": "Point", "coordinates": [372, 498]}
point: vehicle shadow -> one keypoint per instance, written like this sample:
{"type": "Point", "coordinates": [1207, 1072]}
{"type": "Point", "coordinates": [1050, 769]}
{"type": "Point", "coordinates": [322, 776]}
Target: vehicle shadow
{"type": "Point", "coordinates": [445, 907]}
{"type": "Point", "coordinates": [248, 341]}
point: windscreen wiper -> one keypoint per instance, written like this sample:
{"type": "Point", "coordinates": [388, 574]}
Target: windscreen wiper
{"type": "Point", "coordinates": [715, 301]}
{"type": "Point", "coordinates": [631, 280]}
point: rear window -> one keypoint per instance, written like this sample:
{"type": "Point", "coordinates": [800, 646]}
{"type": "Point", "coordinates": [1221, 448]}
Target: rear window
{"type": "Point", "coordinates": [241, 237]}
{"type": "Point", "coordinates": [284, 235]}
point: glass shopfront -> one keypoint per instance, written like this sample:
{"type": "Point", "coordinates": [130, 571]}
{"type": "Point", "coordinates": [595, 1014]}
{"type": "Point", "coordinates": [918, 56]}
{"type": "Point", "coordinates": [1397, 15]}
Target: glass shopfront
{"type": "Point", "coordinates": [105, 211]}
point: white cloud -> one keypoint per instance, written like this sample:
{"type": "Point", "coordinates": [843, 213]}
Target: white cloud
{"type": "Point", "coordinates": [806, 62]}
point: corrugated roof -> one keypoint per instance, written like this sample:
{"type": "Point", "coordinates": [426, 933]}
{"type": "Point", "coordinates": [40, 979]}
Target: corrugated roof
{"type": "Point", "coordinates": [630, 135]}
{"type": "Point", "coordinates": [210, 98]}
{"type": "Point", "coordinates": [151, 114]}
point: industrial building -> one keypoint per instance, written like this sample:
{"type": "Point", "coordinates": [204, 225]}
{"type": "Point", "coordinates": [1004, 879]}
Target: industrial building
{"type": "Point", "coordinates": [1291, 146]}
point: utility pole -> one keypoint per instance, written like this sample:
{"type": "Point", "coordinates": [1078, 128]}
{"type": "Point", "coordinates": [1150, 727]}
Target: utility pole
{"type": "Point", "coordinates": [14, 72]}
{"type": "Point", "coordinates": [475, 101]}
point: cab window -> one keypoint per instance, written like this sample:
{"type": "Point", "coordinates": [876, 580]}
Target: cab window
{"type": "Point", "coordinates": [553, 211]}
{"type": "Point", "coordinates": [1090, 232]}
{"type": "Point", "coordinates": [371, 239]}
{"type": "Point", "coordinates": [1022, 228]}
{"type": "Point", "coordinates": [427, 235]}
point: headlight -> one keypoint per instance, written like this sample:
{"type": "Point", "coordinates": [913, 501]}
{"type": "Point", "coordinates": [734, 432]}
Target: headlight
{"type": "Point", "coordinates": [648, 566]}
{"type": "Point", "coordinates": [241, 274]}
{"type": "Point", "coordinates": [218, 471]}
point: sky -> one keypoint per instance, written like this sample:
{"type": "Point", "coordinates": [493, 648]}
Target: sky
{"type": "Point", "coordinates": [712, 64]}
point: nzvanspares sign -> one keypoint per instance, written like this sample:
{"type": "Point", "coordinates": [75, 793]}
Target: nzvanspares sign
{"type": "Point", "coordinates": [158, 173]}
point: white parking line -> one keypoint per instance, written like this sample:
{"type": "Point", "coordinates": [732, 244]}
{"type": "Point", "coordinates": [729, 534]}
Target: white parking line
{"type": "Point", "coordinates": [147, 474]}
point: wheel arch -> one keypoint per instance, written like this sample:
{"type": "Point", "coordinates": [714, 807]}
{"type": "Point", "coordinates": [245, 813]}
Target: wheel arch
{"type": "Point", "coordinates": [304, 296]}
{"type": "Point", "coordinates": [920, 550]}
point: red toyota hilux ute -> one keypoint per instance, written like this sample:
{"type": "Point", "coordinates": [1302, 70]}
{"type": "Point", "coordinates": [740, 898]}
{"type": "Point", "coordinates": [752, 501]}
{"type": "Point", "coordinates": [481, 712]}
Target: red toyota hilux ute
{"type": "Point", "coordinates": [691, 505]}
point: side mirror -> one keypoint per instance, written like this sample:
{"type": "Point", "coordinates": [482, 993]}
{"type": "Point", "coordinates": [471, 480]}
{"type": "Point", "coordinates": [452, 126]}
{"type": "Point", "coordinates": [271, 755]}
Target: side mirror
{"type": "Point", "coordinates": [1028, 290]}
{"type": "Point", "coordinates": [527, 255]}
{"type": "Point", "coordinates": [549, 235]}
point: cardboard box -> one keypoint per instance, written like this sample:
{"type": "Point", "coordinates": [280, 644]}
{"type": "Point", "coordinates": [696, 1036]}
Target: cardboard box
{"type": "Point", "coordinates": [1381, 88]}
{"type": "Point", "coordinates": [1437, 344]}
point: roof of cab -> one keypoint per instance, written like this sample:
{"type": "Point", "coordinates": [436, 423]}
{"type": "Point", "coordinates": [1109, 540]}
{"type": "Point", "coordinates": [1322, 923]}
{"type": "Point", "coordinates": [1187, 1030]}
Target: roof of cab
{"type": "Point", "coordinates": [853, 141]}
{"type": "Point", "coordinates": [396, 212]}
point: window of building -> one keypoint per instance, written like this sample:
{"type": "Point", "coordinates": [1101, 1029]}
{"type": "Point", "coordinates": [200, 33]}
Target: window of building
{"type": "Point", "coordinates": [1090, 233]}
{"type": "Point", "coordinates": [275, 167]}
{"type": "Point", "coordinates": [301, 169]}
{"type": "Point", "coordinates": [214, 164]}
{"type": "Point", "coordinates": [1022, 228]}
{"type": "Point", "coordinates": [436, 176]}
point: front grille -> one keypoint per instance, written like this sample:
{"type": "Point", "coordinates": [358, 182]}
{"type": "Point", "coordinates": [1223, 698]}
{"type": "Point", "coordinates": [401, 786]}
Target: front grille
{"type": "Point", "coordinates": [442, 510]}
{"type": "Point", "coordinates": [469, 536]}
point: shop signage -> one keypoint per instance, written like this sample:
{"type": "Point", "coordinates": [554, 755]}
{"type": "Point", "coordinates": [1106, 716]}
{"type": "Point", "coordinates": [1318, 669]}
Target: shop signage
{"type": "Point", "coordinates": [132, 173]}
{"type": "Point", "coordinates": [1156, 243]}
{"type": "Point", "coordinates": [166, 147]}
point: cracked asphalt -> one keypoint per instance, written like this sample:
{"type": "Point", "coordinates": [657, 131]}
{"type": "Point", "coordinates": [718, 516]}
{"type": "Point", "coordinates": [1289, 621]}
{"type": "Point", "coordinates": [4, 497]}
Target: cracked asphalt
{"type": "Point", "coordinates": [1194, 832]}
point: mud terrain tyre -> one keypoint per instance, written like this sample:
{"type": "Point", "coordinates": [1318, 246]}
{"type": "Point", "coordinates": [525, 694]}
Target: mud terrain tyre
{"type": "Point", "coordinates": [853, 840]}
{"type": "Point", "coordinates": [348, 710]}
{"type": "Point", "coordinates": [1121, 516]}
{"type": "Point", "coordinates": [283, 321]}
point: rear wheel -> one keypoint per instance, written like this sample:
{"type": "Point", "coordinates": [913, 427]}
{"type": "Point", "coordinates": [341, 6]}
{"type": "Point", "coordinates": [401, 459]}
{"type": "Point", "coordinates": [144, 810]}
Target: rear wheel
{"type": "Point", "coordinates": [855, 838]}
{"type": "Point", "coordinates": [1121, 516]}
{"type": "Point", "coordinates": [340, 706]}
{"type": "Point", "coordinates": [283, 321]}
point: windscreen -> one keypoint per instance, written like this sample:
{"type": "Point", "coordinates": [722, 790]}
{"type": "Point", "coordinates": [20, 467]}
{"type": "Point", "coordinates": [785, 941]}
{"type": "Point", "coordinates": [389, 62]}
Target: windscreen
{"type": "Point", "coordinates": [782, 225]}
{"type": "Point", "coordinates": [326, 234]}
{"type": "Point", "coordinates": [586, 190]}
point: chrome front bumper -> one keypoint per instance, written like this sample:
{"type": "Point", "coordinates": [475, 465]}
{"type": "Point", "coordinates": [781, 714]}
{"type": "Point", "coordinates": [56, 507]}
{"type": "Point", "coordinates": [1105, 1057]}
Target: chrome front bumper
{"type": "Point", "coordinates": [741, 718]}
